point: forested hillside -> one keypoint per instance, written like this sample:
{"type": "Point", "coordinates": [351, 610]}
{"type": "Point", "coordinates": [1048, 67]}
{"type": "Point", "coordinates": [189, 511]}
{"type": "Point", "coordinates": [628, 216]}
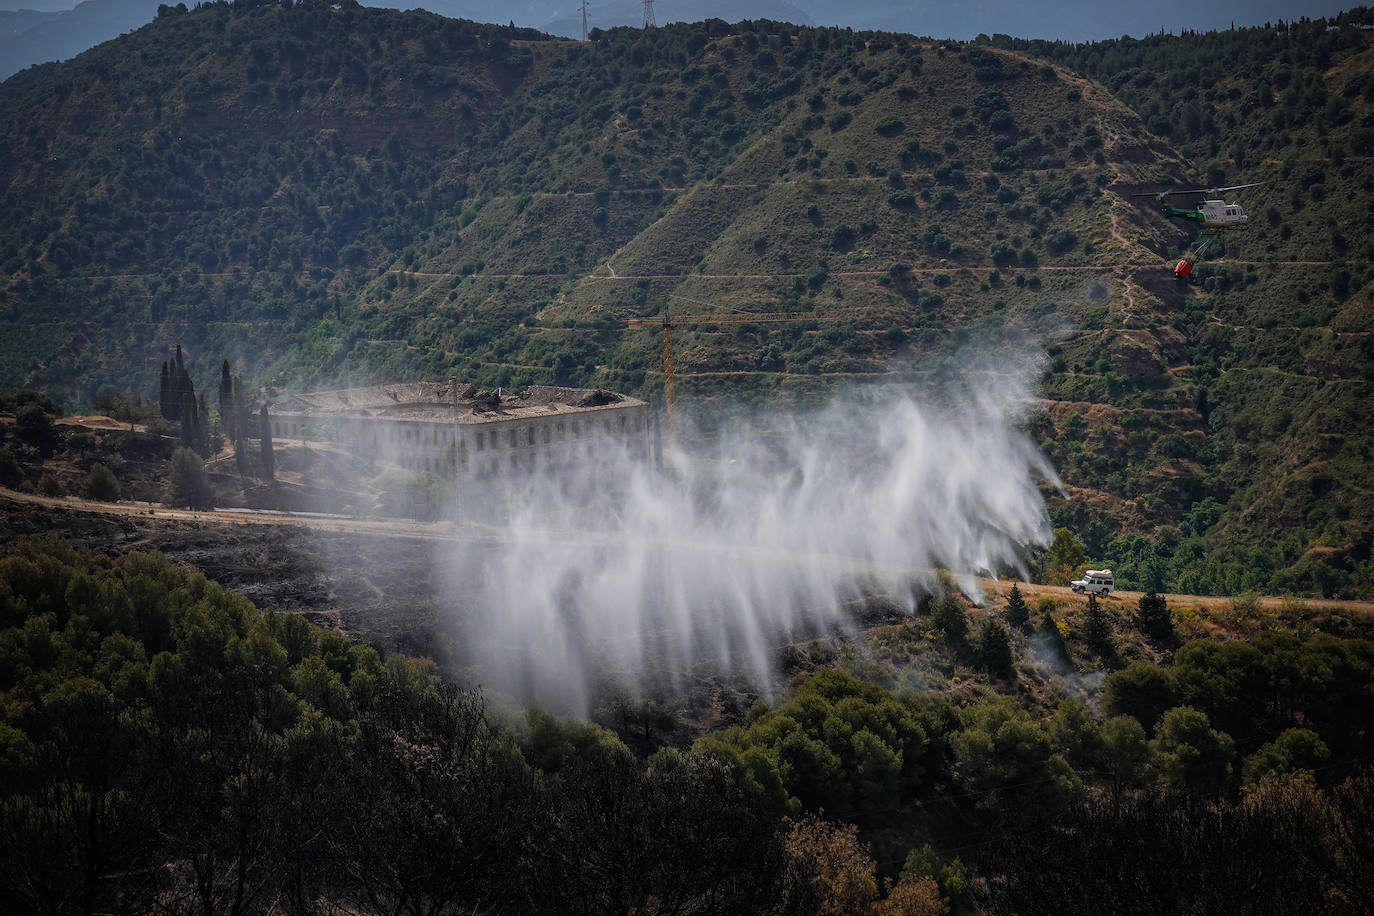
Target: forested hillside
{"type": "Point", "coordinates": [331, 194]}
{"type": "Point", "coordinates": [165, 746]}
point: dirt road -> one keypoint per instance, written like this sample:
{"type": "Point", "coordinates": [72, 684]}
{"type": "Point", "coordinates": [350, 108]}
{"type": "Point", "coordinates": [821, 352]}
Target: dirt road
{"type": "Point", "coordinates": [145, 517]}
{"type": "Point", "coordinates": [1064, 594]}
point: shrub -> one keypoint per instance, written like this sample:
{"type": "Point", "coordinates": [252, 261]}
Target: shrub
{"type": "Point", "coordinates": [33, 423]}
{"type": "Point", "coordinates": [902, 200]}
{"type": "Point", "coordinates": [1061, 240]}
{"type": "Point", "coordinates": [889, 126]}
{"type": "Point", "coordinates": [842, 237]}
{"type": "Point", "coordinates": [10, 470]}
{"type": "Point", "coordinates": [1001, 120]}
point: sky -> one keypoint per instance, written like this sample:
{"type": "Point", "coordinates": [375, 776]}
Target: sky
{"type": "Point", "coordinates": [1070, 20]}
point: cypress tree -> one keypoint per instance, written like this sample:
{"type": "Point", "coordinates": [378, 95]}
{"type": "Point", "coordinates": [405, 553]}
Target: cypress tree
{"type": "Point", "coordinates": [269, 463]}
{"type": "Point", "coordinates": [175, 389]}
{"type": "Point", "coordinates": [226, 402]}
{"type": "Point", "coordinates": [181, 404]}
{"type": "Point", "coordinates": [242, 427]}
{"type": "Point", "coordinates": [164, 393]}
{"type": "Point", "coordinates": [187, 417]}
{"type": "Point", "coordinates": [202, 423]}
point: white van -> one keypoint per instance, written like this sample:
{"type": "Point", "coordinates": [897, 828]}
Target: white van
{"type": "Point", "coordinates": [1096, 580]}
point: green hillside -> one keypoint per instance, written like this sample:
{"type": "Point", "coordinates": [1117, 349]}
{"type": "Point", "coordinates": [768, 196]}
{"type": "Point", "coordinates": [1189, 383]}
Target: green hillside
{"type": "Point", "coordinates": [342, 194]}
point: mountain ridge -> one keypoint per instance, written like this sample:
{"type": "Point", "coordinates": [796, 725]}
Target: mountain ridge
{"type": "Point", "coordinates": [358, 194]}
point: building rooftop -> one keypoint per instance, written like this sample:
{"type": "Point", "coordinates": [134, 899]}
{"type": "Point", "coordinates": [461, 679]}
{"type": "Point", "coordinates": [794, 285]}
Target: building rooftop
{"type": "Point", "coordinates": [434, 402]}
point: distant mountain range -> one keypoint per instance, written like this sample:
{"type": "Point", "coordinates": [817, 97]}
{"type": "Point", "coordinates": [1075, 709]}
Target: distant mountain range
{"type": "Point", "coordinates": [38, 36]}
{"type": "Point", "coordinates": [37, 31]}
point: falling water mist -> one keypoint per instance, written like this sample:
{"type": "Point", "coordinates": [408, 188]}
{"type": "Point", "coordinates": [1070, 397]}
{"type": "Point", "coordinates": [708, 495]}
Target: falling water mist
{"type": "Point", "coordinates": [640, 575]}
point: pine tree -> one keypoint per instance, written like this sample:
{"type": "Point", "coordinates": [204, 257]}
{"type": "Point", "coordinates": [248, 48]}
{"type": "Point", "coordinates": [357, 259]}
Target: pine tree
{"type": "Point", "coordinates": [1153, 618]}
{"type": "Point", "coordinates": [188, 485]}
{"type": "Point", "coordinates": [100, 484]}
{"type": "Point", "coordinates": [1048, 635]}
{"type": "Point", "coordinates": [1018, 614]}
{"type": "Point", "coordinates": [269, 463]}
{"type": "Point", "coordinates": [994, 648]}
{"type": "Point", "coordinates": [948, 615]}
{"type": "Point", "coordinates": [1097, 630]}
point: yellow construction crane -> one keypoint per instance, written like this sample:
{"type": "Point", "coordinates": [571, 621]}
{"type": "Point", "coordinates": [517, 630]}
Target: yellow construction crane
{"type": "Point", "coordinates": [667, 323]}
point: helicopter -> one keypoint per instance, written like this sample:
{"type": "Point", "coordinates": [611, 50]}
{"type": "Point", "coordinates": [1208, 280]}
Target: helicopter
{"type": "Point", "coordinates": [1213, 214]}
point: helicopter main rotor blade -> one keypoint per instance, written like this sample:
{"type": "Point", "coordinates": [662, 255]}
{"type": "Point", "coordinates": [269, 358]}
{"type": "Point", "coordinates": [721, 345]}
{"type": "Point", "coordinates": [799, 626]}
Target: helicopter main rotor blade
{"type": "Point", "coordinates": [1158, 194]}
{"type": "Point", "coordinates": [1234, 187]}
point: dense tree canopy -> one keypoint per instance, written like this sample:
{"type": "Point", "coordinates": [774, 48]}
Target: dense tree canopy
{"type": "Point", "coordinates": [162, 739]}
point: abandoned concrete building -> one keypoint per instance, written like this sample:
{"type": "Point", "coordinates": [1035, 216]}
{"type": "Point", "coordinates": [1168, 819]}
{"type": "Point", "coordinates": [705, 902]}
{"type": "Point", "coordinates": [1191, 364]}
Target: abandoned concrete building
{"type": "Point", "coordinates": [456, 429]}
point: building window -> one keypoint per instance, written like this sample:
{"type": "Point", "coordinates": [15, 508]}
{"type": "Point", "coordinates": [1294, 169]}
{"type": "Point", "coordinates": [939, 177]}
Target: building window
{"type": "Point", "coordinates": [548, 434]}
{"type": "Point", "coordinates": [481, 441]}
{"type": "Point", "coordinates": [529, 435]}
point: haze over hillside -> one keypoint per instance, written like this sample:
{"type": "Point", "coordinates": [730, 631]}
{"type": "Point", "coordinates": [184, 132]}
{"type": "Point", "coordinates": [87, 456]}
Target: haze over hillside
{"type": "Point", "coordinates": [331, 196]}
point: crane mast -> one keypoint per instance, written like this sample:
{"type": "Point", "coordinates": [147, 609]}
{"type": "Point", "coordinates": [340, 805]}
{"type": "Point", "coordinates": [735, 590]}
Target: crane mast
{"type": "Point", "coordinates": [666, 323]}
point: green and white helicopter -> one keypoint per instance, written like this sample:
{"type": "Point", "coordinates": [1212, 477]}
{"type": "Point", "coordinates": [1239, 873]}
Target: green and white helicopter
{"type": "Point", "coordinates": [1215, 215]}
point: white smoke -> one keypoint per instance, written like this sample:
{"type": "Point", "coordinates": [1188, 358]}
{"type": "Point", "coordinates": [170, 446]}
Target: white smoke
{"type": "Point", "coordinates": [736, 549]}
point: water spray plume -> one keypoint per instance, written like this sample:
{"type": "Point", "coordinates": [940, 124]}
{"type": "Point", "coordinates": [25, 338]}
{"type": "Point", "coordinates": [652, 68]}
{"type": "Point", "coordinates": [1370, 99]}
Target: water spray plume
{"type": "Point", "coordinates": [641, 576]}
